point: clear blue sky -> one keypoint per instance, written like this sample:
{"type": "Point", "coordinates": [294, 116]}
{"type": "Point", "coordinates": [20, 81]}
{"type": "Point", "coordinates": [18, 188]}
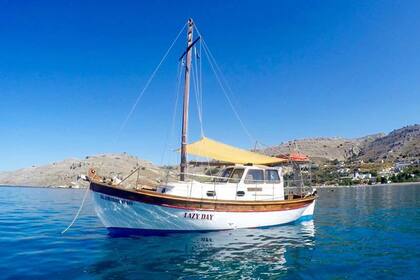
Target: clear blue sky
{"type": "Point", "coordinates": [71, 70]}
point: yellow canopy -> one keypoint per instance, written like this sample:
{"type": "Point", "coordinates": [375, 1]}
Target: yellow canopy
{"type": "Point", "coordinates": [208, 148]}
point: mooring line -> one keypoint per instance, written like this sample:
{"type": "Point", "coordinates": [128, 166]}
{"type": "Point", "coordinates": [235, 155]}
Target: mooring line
{"type": "Point", "coordinates": [78, 211]}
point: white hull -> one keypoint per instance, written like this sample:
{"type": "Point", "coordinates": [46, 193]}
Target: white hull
{"type": "Point", "coordinates": [117, 213]}
{"type": "Point", "coordinates": [309, 211]}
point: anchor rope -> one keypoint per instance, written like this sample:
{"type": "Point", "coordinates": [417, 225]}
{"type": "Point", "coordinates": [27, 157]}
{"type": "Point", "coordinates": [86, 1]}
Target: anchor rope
{"type": "Point", "coordinates": [78, 211]}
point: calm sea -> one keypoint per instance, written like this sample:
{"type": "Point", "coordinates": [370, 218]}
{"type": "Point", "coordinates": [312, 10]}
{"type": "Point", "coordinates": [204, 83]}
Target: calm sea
{"type": "Point", "coordinates": [357, 233]}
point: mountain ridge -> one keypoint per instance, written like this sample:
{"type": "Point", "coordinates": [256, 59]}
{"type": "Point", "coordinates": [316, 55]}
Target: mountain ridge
{"type": "Point", "coordinates": [372, 147]}
{"type": "Point", "coordinates": [400, 144]}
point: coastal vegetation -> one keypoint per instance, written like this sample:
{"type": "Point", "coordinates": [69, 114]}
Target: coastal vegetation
{"type": "Point", "coordinates": [410, 174]}
{"type": "Point", "coordinates": [370, 173]}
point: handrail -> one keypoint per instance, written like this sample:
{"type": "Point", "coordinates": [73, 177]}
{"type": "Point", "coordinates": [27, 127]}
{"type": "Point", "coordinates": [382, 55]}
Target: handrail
{"type": "Point", "coordinates": [201, 175]}
{"type": "Point", "coordinates": [291, 187]}
{"type": "Point", "coordinates": [135, 170]}
{"type": "Point", "coordinates": [227, 178]}
{"type": "Point", "coordinates": [286, 182]}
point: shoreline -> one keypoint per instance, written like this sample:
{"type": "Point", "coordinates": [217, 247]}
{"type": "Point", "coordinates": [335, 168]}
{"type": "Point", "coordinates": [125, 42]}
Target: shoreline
{"type": "Point", "coordinates": [315, 187]}
{"type": "Point", "coordinates": [43, 187]}
{"type": "Point", "coordinates": [361, 186]}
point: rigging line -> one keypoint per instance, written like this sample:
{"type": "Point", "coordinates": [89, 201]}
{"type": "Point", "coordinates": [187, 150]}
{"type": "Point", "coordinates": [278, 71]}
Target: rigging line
{"type": "Point", "coordinates": [176, 103]}
{"type": "Point", "coordinates": [200, 79]}
{"type": "Point", "coordinates": [197, 80]}
{"type": "Point", "coordinates": [197, 76]}
{"type": "Point", "coordinates": [197, 97]}
{"type": "Point", "coordinates": [199, 91]}
{"type": "Point", "coordinates": [171, 131]}
{"type": "Point", "coordinates": [210, 57]}
{"type": "Point", "coordinates": [228, 99]}
{"type": "Point", "coordinates": [175, 111]}
{"type": "Point", "coordinates": [224, 80]}
{"type": "Point", "coordinates": [78, 211]}
{"type": "Point", "coordinates": [198, 63]}
{"type": "Point", "coordinates": [200, 70]}
{"type": "Point", "coordinates": [273, 148]}
{"type": "Point", "coordinates": [194, 89]}
{"type": "Point", "coordinates": [218, 69]}
{"type": "Point", "coordinates": [150, 79]}
{"type": "Point", "coordinates": [216, 64]}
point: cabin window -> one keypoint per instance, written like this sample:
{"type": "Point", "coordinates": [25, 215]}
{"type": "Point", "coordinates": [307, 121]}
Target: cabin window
{"type": "Point", "coordinates": [225, 174]}
{"type": "Point", "coordinates": [272, 176]}
{"type": "Point", "coordinates": [254, 176]}
{"type": "Point", "coordinates": [232, 175]}
{"type": "Point", "coordinates": [236, 175]}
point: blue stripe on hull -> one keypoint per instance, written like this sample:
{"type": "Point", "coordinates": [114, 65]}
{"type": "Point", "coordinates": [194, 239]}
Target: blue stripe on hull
{"type": "Point", "coordinates": [305, 218]}
{"type": "Point", "coordinates": [125, 232]}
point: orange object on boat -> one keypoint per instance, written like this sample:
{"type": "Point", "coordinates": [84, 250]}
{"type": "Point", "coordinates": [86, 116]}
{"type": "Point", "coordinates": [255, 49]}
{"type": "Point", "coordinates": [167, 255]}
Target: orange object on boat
{"type": "Point", "coordinates": [294, 157]}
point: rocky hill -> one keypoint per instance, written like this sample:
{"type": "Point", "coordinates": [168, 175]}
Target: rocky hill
{"type": "Point", "coordinates": [66, 173]}
{"type": "Point", "coordinates": [319, 149]}
{"type": "Point", "coordinates": [400, 144]}
{"type": "Point", "coordinates": [403, 143]}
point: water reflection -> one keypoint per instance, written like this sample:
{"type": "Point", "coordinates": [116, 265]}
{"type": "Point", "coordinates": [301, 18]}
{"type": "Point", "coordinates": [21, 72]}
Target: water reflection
{"type": "Point", "coordinates": [227, 254]}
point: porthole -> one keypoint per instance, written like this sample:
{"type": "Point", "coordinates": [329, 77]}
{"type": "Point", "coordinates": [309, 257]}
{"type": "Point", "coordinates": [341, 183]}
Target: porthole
{"type": "Point", "coordinates": [240, 193]}
{"type": "Point", "coordinates": [211, 193]}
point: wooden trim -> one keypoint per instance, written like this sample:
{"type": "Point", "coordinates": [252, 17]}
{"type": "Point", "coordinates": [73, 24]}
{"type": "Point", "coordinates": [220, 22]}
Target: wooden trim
{"type": "Point", "coordinates": [173, 201]}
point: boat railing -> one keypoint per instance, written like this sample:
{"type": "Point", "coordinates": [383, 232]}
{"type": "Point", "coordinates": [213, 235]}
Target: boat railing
{"type": "Point", "coordinates": [297, 187]}
{"type": "Point", "coordinates": [204, 176]}
{"type": "Point", "coordinates": [210, 179]}
{"type": "Point", "coordinates": [292, 188]}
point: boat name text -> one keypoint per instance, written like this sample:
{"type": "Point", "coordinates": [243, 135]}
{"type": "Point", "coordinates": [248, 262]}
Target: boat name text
{"type": "Point", "coordinates": [198, 216]}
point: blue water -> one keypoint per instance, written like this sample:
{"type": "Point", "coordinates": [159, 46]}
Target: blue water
{"type": "Point", "coordinates": [357, 233]}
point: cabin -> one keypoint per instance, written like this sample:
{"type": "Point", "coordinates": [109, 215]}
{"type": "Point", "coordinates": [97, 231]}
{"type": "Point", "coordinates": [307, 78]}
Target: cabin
{"type": "Point", "coordinates": [238, 182]}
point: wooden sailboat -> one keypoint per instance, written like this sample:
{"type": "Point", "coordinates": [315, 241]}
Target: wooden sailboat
{"type": "Point", "coordinates": [249, 192]}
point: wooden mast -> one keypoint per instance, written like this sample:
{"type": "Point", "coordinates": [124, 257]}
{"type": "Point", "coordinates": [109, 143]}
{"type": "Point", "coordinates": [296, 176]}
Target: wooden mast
{"type": "Point", "coordinates": [186, 101]}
